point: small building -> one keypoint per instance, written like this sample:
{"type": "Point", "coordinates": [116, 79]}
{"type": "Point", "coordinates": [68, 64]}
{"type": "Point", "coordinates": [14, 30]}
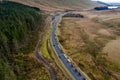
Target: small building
{"type": "Point", "coordinates": [112, 7]}
{"type": "Point", "coordinates": [106, 7]}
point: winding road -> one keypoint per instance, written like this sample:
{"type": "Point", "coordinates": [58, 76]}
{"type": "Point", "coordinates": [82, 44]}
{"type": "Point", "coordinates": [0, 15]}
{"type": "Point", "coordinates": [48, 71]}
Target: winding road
{"type": "Point", "coordinates": [53, 77]}
{"type": "Point", "coordinates": [41, 59]}
{"type": "Point", "coordinates": [74, 73]}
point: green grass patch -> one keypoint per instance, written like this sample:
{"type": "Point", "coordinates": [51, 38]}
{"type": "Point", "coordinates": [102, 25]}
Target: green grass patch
{"type": "Point", "coordinates": [43, 47]}
{"type": "Point", "coordinates": [6, 72]}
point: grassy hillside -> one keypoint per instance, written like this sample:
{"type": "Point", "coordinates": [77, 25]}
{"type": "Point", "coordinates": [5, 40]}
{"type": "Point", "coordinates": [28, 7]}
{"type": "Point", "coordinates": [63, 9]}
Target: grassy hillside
{"type": "Point", "coordinates": [52, 5]}
{"type": "Point", "coordinates": [19, 26]}
{"type": "Point", "coordinates": [83, 40]}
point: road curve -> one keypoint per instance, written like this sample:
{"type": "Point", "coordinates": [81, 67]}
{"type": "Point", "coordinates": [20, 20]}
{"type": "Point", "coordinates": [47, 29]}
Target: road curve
{"type": "Point", "coordinates": [53, 77]}
{"type": "Point", "coordinates": [76, 75]}
{"type": "Point", "coordinates": [38, 56]}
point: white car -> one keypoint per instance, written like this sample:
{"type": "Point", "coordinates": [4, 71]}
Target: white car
{"type": "Point", "coordinates": [68, 60]}
{"type": "Point", "coordinates": [65, 55]}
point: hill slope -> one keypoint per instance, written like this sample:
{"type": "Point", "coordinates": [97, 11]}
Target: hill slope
{"type": "Point", "coordinates": [52, 5]}
{"type": "Point", "coordinates": [18, 33]}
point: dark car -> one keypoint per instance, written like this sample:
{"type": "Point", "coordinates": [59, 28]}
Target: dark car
{"type": "Point", "coordinates": [75, 70]}
{"type": "Point", "coordinates": [84, 79]}
{"type": "Point", "coordinates": [79, 74]}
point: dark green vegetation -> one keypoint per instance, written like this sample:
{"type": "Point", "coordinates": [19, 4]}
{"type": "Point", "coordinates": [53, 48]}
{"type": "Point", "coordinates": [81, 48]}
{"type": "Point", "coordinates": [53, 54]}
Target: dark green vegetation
{"type": "Point", "coordinates": [17, 22]}
{"type": "Point", "coordinates": [19, 27]}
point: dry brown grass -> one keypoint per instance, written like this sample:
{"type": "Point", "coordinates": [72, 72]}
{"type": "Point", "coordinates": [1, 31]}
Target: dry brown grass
{"type": "Point", "coordinates": [113, 50]}
{"type": "Point", "coordinates": [56, 5]}
{"type": "Point", "coordinates": [102, 15]}
{"type": "Point", "coordinates": [112, 47]}
{"type": "Point", "coordinates": [112, 18]}
{"type": "Point", "coordinates": [104, 32]}
{"type": "Point", "coordinates": [40, 4]}
{"type": "Point", "coordinates": [75, 34]}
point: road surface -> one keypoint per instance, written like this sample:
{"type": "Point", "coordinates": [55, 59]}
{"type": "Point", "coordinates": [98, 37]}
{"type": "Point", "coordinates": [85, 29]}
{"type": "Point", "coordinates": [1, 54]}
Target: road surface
{"type": "Point", "coordinates": [68, 65]}
{"type": "Point", "coordinates": [53, 77]}
{"type": "Point", "coordinates": [38, 56]}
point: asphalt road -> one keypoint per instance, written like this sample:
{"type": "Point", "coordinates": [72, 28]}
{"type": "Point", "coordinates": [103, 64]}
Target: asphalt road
{"type": "Point", "coordinates": [69, 66]}
{"type": "Point", "coordinates": [41, 59]}
{"type": "Point", "coordinates": [53, 77]}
